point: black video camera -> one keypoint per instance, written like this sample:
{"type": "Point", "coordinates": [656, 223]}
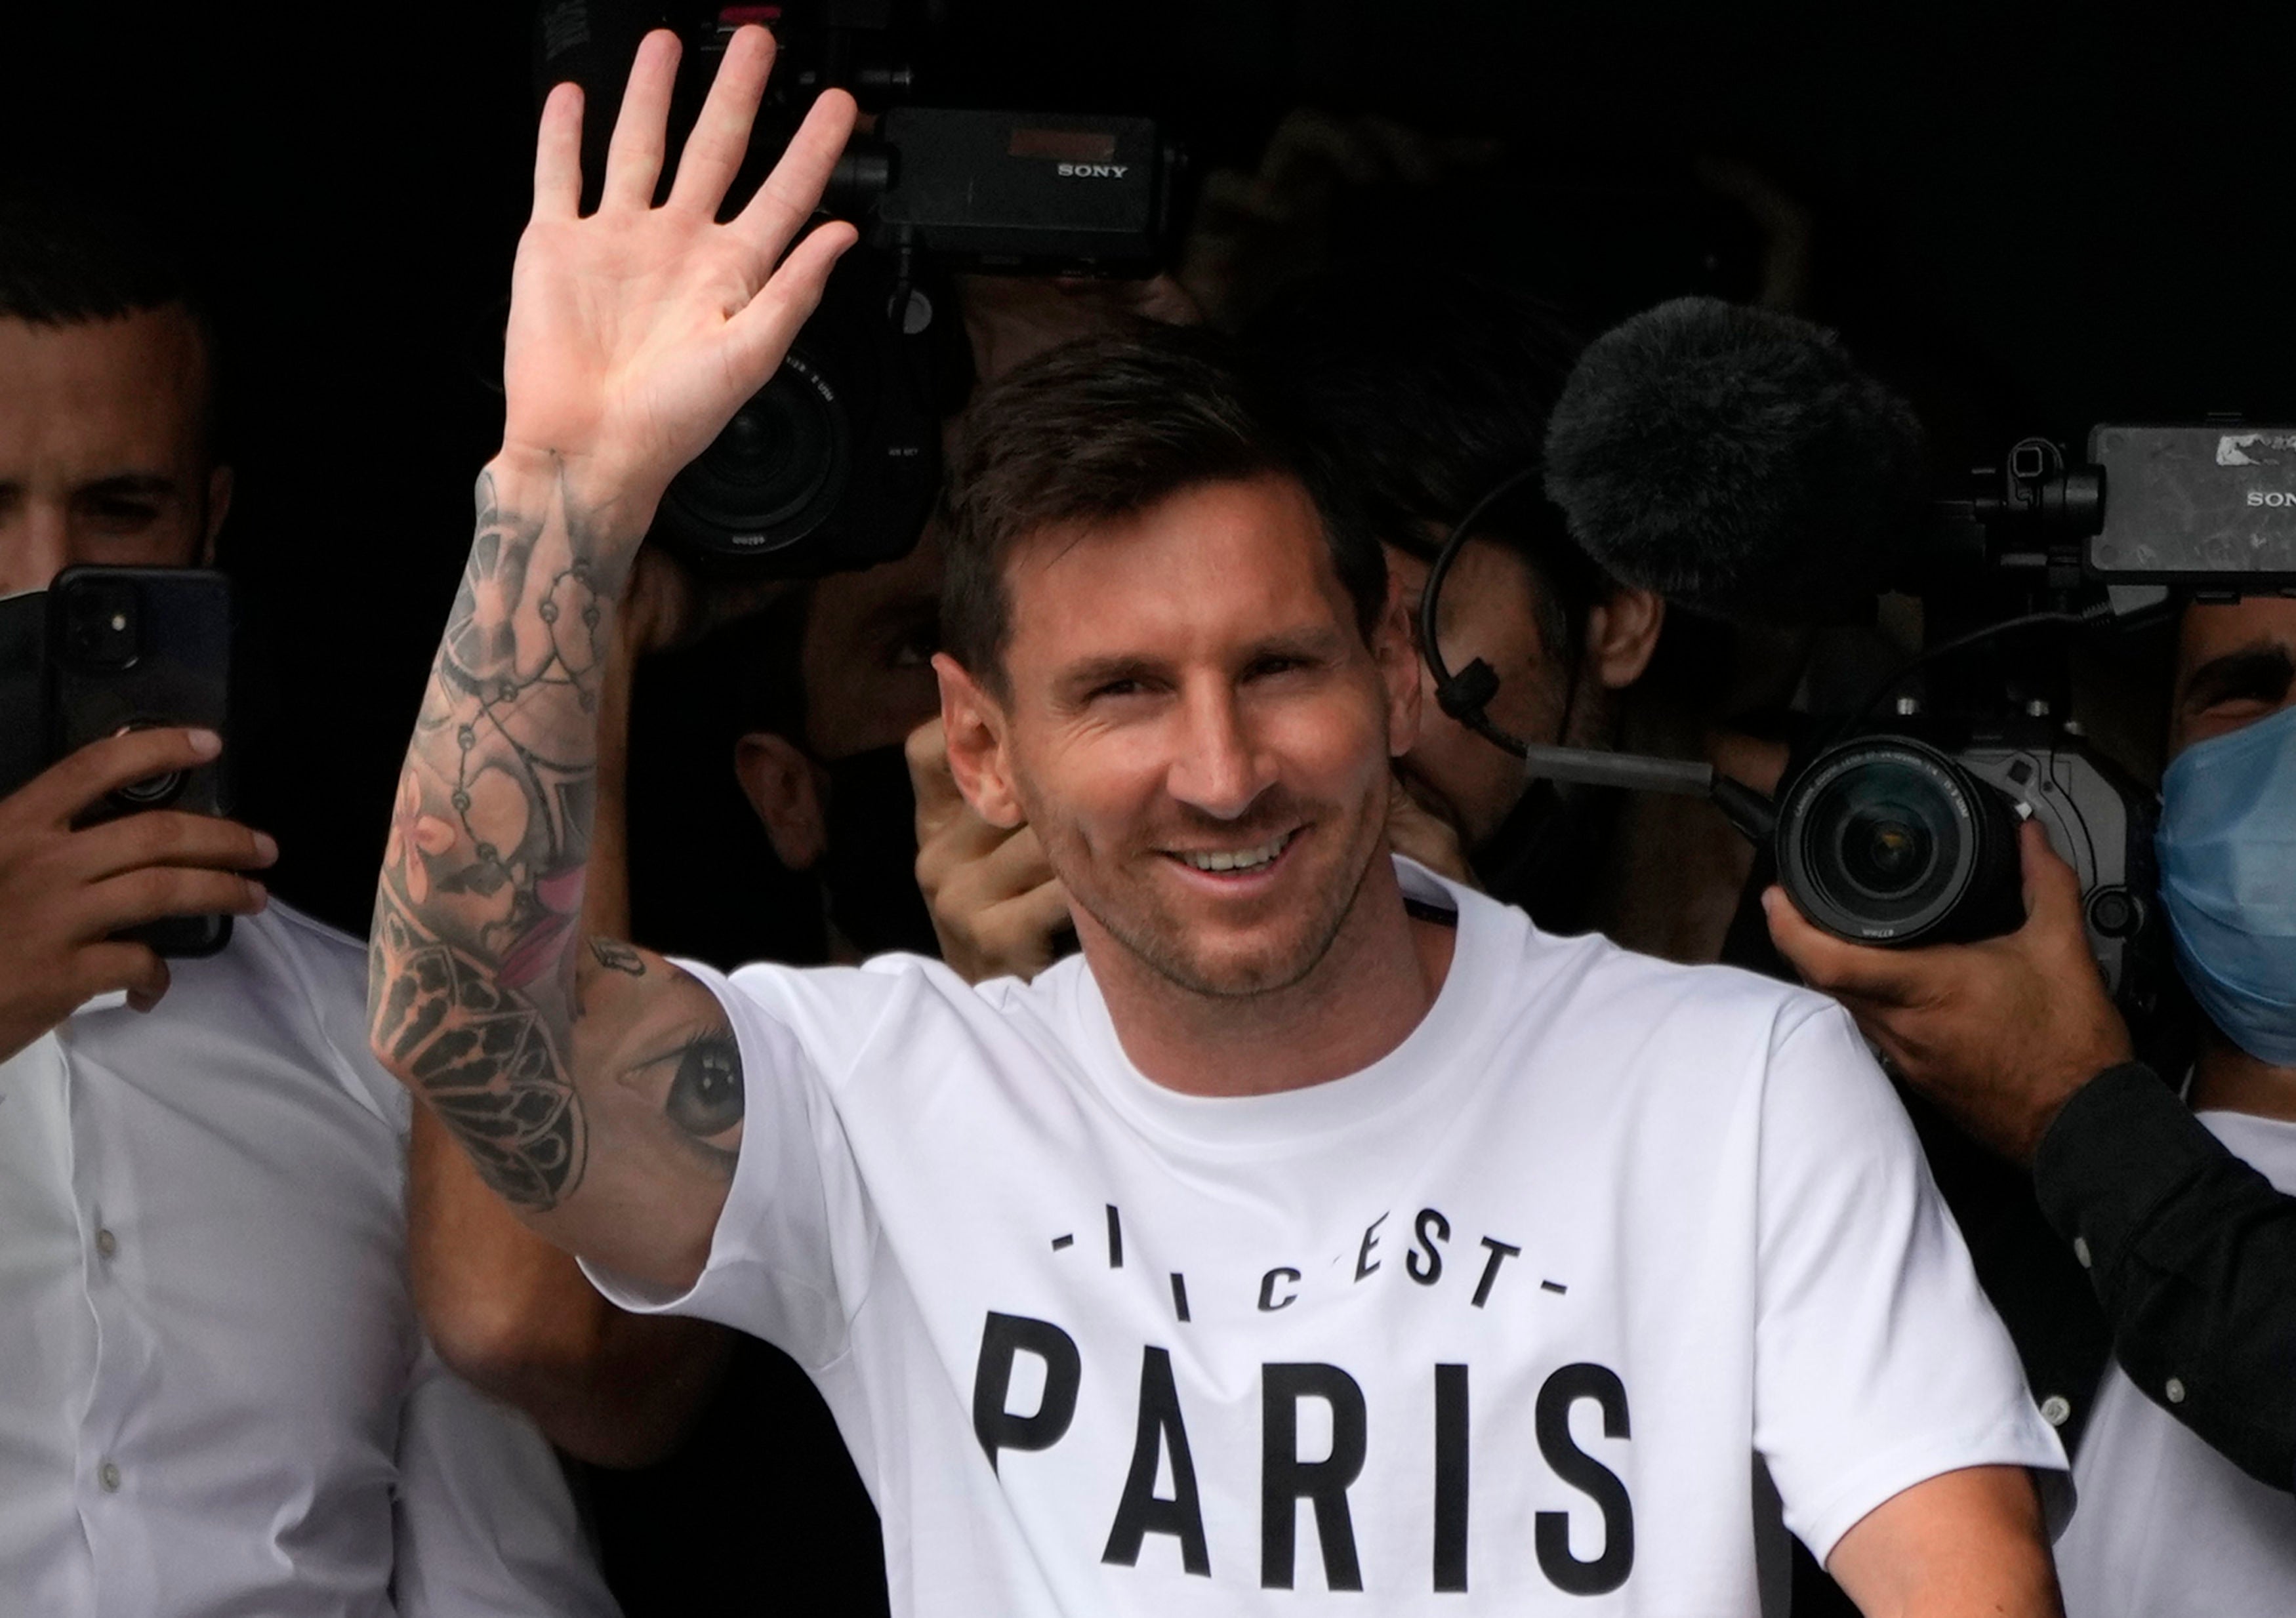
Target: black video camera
{"type": "Point", "coordinates": [1907, 835]}
{"type": "Point", "coordinates": [833, 466]}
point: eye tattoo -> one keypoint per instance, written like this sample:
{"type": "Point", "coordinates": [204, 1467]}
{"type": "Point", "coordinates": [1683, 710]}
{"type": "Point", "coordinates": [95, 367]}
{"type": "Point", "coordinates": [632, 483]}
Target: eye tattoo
{"type": "Point", "coordinates": [705, 1096]}
{"type": "Point", "coordinates": [612, 952]}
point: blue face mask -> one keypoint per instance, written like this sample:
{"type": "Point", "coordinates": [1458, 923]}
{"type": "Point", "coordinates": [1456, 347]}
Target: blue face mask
{"type": "Point", "coordinates": [2227, 848]}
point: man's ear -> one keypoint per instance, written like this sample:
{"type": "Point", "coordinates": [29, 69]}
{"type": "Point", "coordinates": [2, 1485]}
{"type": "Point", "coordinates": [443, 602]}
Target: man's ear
{"type": "Point", "coordinates": [784, 787]}
{"type": "Point", "coordinates": [974, 723]}
{"type": "Point", "coordinates": [1622, 632]}
{"type": "Point", "coordinates": [219, 488]}
{"type": "Point", "coordinates": [1396, 649]}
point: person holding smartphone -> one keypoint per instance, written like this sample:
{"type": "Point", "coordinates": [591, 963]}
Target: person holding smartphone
{"type": "Point", "coordinates": [214, 1392]}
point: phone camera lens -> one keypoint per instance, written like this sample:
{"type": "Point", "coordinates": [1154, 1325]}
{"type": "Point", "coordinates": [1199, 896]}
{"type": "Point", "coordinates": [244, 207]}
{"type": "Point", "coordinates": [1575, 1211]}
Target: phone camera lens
{"type": "Point", "coordinates": [101, 630]}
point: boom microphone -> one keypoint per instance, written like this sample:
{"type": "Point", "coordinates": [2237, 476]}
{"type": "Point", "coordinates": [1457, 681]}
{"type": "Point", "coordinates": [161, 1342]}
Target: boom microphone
{"type": "Point", "coordinates": [1733, 459]}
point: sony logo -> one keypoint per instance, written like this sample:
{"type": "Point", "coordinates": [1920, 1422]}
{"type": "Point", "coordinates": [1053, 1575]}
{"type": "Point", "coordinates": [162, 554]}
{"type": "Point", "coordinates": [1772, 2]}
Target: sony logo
{"type": "Point", "coordinates": [2271, 497]}
{"type": "Point", "coordinates": [1093, 171]}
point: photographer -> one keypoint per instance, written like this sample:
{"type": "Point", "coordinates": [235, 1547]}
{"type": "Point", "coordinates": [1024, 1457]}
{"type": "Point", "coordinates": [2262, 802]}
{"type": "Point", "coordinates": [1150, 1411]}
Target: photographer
{"type": "Point", "coordinates": [2181, 1220]}
{"type": "Point", "coordinates": [217, 1395]}
{"type": "Point", "coordinates": [1278, 1037]}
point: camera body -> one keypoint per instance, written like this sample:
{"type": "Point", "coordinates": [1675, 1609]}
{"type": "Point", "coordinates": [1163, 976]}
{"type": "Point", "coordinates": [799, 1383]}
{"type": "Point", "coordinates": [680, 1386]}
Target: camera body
{"type": "Point", "coordinates": [1892, 840]}
{"type": "Point", "coordinates": [834, 465]}
{"type": "Point", "coordinates": [1908, 836]}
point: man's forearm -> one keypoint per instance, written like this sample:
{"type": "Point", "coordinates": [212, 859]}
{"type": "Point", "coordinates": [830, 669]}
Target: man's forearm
{"type": "Point", "coordinates": [1965, 1544]}
{"type": "Point", "coordinates": [514, 1317]}
{"type": "Point", "coordinates": [474, 976]}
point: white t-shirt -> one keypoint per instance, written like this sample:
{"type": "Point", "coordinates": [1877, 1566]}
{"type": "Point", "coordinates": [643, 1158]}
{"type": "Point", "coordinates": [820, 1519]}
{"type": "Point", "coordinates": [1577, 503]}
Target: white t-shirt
{"type": "Point", "coordinates": [1497, 1324]}
{"type": "Point", "coordinates": [2169, 1528]}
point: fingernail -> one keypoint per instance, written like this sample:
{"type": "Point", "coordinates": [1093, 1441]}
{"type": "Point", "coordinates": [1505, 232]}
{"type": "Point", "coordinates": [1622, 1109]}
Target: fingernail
{"type": "Point", "coordinates": [204, 744]}
{"type": "Point", "coordinates": [1769, 902]}
{"type": "Point", "coordinates": [266, 848]}
{"type": "Point", "coordinates": [262, 894]}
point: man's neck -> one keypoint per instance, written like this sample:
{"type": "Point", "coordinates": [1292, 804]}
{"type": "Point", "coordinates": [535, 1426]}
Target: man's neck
{"type": "Point", "coordinates": [2227, 1079]}
{"type": "Point", "coordinates": [1359, 1002]}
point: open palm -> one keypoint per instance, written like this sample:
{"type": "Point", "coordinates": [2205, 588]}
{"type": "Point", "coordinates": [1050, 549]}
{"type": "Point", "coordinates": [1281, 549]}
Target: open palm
{"type": "Point", "coordinates": [637, 332]}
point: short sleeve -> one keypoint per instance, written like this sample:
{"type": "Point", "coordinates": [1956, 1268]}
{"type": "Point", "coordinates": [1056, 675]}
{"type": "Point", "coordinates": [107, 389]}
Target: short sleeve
{"type": "Point", "coordinates": [484, 1525]}
{"type": "Point", "coordinates": [1878, 1362]}
{"type": "Point", "coordinates": [790, 1258]}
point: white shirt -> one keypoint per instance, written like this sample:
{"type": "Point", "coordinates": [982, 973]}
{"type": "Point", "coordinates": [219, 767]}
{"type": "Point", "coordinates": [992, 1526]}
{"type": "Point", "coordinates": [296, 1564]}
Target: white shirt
{"type": "Point", "coordinates": [214, 1393]}
{"type": "Point", "coordinates": [1514, 1309]}
{"type": "Point", "coordinates": [2167, 1527]}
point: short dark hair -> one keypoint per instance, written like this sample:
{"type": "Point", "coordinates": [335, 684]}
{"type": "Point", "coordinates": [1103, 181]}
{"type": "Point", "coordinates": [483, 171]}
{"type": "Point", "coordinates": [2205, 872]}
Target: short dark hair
{"type": "Point", "coordinates": [1112, 425]}
{"type": "Point", "coordinates": [1432, 387]}
{"type": "Point", "coordinates": [62, 263]}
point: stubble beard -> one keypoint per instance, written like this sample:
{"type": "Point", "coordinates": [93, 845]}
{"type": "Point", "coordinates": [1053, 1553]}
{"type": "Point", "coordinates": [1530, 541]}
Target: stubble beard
{"type": "Point", "coordinates": [1169, 947]}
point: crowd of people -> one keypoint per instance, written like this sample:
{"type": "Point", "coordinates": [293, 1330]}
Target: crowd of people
{"type": "Point", "coordinates": [1218, 1081]}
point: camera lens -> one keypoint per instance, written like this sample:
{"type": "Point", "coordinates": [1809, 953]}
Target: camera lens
{"type": "Point", "coordinates": [774, 476]}
{"type": "Point", "coordinates": [1887, 840]}
{"type": "Point", "coordinates": [1885, 849]}
{"type": "Point", "coordinates": [833, 465]}
{"type": "Point", "coordinates": [101, 624]}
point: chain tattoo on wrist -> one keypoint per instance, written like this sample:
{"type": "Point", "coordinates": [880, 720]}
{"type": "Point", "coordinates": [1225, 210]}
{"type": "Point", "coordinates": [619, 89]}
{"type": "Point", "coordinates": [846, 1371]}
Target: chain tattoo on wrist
{"type": "Point", "coordinates": [474, 968]}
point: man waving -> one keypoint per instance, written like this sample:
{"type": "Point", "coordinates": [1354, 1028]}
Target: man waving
{"type": "Point", "coordinates": [1322, 1228]}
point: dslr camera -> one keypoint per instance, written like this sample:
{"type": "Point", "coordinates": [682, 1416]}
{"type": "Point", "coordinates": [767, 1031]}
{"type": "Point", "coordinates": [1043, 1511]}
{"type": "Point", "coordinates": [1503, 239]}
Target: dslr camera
{"type": "Point", "coordinates": [834, 464]}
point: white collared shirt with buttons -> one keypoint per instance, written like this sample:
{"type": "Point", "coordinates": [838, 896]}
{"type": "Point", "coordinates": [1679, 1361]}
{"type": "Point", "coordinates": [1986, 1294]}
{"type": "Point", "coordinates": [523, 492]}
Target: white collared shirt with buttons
{"type": "Point", "coordinates": [214, 1392]}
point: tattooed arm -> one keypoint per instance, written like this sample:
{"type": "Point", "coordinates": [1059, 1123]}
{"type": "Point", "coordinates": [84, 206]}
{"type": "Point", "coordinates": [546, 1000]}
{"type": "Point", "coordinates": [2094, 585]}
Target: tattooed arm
{"type": "Point", "coordinates": [597, 1089]}
{"type": "Point", "coordinates": [515, 1316]}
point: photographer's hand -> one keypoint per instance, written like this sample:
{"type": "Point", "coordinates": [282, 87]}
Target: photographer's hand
{"type": "Point", "coordinates": [2000, 1034]}
{"type": "Point", "coordinates": [64, 892]}
{"type": "Point", "coordinates": [1415, 833]}
{"type": "Point", "coordinates": [997, 907]}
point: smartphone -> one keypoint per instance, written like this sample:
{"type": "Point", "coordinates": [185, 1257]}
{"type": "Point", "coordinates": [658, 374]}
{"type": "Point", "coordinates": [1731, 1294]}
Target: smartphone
{"type": "Point", "coordinates": [132, 648]}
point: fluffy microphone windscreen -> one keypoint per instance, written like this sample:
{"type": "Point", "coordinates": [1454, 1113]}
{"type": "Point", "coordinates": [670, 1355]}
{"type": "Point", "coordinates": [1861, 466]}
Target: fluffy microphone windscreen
{"type": "Point", "coordinates": [1733, 459]}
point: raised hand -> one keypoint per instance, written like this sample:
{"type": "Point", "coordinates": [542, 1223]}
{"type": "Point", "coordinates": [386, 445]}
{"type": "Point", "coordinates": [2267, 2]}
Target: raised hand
{"type": "Point", "coordinates": [637, 332]}
{"type": "Point", "coordinates": [587, 1079]}
{"type": "Point", "coordinates": [65, 892]}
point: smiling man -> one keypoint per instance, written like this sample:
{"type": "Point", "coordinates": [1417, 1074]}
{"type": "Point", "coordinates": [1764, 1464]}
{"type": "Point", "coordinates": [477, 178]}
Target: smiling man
{"type": "Point", "coordinates": [1322, 1228]}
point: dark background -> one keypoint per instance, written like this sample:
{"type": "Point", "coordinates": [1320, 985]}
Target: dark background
{"type": "Point", "coordinates": [2032, 215]}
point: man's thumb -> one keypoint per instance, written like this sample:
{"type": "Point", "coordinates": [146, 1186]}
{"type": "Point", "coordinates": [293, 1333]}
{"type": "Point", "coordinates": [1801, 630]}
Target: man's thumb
{"type": "Point", "coordinates": [2052, 887]}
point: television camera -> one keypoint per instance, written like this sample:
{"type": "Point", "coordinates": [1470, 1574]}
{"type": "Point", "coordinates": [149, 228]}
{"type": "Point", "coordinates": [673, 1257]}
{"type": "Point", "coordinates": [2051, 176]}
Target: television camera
{"type": "Point", "coordinates": [1899, 828]}
{"type": "Point", "coordinates": [834, 464]}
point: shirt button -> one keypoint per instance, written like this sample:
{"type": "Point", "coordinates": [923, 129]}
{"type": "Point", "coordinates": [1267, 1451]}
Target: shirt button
{"type": "Point", "coordinates": [2056, 1410]}
{"type": "Point", "coordinates": [2175, 1388]}
{"type": "Point", "coordinates": [106, 1243]}
{"type": "Point", "coordinates": [107, 1476]}
{"type": "Point", "coordinates": [2080, 1250]}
